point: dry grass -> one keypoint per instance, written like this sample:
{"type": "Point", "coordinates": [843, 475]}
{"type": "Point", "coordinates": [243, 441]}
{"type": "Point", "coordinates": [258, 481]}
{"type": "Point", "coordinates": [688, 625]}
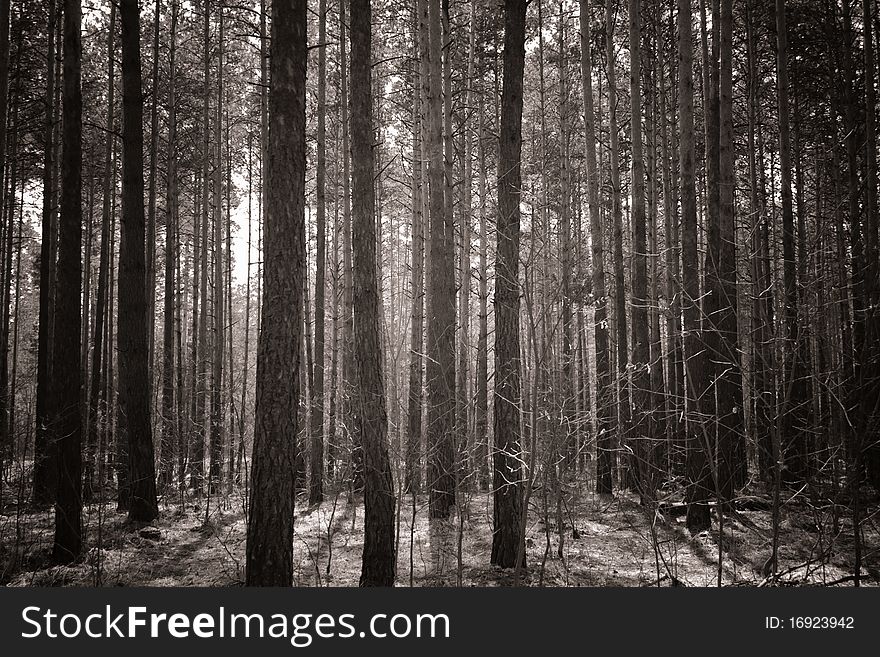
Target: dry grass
{"type": "Point", "coordinates": [607, 542]}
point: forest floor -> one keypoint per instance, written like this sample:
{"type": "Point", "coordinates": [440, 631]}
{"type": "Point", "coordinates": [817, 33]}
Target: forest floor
{"type": "Point", "coordinates": [606, 542]}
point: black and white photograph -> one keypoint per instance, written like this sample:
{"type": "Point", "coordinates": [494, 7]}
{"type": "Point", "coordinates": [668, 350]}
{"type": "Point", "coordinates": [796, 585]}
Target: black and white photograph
{"type": "Point", "coordinates": [439, 294]}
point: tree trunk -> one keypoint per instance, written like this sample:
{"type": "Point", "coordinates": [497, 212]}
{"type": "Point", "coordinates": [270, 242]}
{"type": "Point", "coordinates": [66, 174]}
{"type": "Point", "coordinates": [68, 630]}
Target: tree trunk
{"type": "Point", "coordinates": [151, 200]}
{"type": "Point", "coordinates": [15, 336]}
{"type": "Point", "coordinates": [641, 392]}
{"type": "Point", "coordinates": [698, 478]}
{"type": "Point", "coordinates": [316, 482]}
{"type": "Point", "coordinates": [7, 279]}
{"type": "Point", "coordinates": [507, 490]}
{"type": "Point", "coordinates": [7, 444]}
{"type": "Point", "coordinates": [216, 438]}
{"type": "Point", "coordinates": [761, 320]}
{"type": "Point", "coordinates": [378, 556]}
{"type": "Point", "coordinates": [658, 417]}
{"type": "Point", "coordinates": [166, 464]}
{"type": "Point", "coordinates": [870, 358]}
{"type": "Point", "coordinates": [620, 320]}
{"type": "Point", "coordinates": [240, 474]}
{"type": "Point", "coordinates": [229, 420]}
{"type": "Point", "coordinates": [605, 455]}
{"type": "Point", "coordinates": [440, 343]}
{"type": "Point", "coordinates": [569, 354]}
{"type": "Point", "coordinates": [481, 401]}
{"type": "Point", "coordinates": [421, 86]}
{"type": "Point", "coordinates": [672, 238]}
{"type": "Point", "coordinates": [334, 338]}
{"type": "Point", "coordinates": [134, 388]}
{"type": "Point", "coordinates": [45, 450]}
{"type": "Point", "coordinates": [269, 549]}
{"type": "Point", "coordinates": [201, 350]}
{"type": "Point", "coordinates": [109, 438]}
{"type": "Point", "coordinates": [66, 374]}
{"type": "Point", "coordinates": [729, 409]}
{"type": "Point", "coordinates": [349, 374]}
{"type": "Point", "coordinates": [97, 406]}
{"type": "Point", "coordinates": [464, 451]}
{"type": "Point", "coordinates": [793, 394]}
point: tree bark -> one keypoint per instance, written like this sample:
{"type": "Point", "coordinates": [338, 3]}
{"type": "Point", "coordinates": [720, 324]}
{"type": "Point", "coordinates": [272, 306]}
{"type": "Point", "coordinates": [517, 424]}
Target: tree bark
{"type": "Point", "coordinates": [605, 455]}
{"type": "Point", "coordinates": [45, 451]}
{"type": "Point", "coordinates": [169, 423]}
{"type": "Point", "coordinates": [507, 491]}
{"type": "Point", "coordinates": [697, 471]}
{"type": "Point", "coordinates": [672, 238]}
{"type": "Point", "coordinates": [761, 319]}
{"type": "Point", "coordinates": [870, 359]}
{"type": "Point", "coordinates": [97, 398]}
{"type": "Point", "coordinates": [568, 404]}
{"type": "Point", "coordinates": [7, 278]}
{"type": "Point", "coordinates": [622, 334]}
{"type": "Point", "coordinates": [440, 342]}
{"type": "Point", "coordinates": [378, 566]}
{"type": "Point", "coordinates": [729, 408]}
{"type": "Point", "coordinates": [316, 482]}
{"type": "Point", "coordinates": [641, 388]}
{"type": "Point", "coordinates": [200, 348]}
{"type": "Point", "coordinates": [269, 551]}
{"type": "Point", "coordinates": [793, 394]}
{"type": "Point", "coordinates": [66, 373]}
{"type": "Point", "coordinates": [217, 410]}
{"type": "Point", "coordinates": [481, 401]}
{"type": "Point", "coordinates": [412, 465]}
{"type": "Point", "coordinates": [464, 451]}
{"type": "Point", "coordinates": [132, 336]}
{"type": "Point", "coordinates": [151, 198]}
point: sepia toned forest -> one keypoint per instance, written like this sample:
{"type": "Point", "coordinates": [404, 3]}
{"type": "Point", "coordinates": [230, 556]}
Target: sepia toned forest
{"type": "Point", "coordinates": [439, 292]}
